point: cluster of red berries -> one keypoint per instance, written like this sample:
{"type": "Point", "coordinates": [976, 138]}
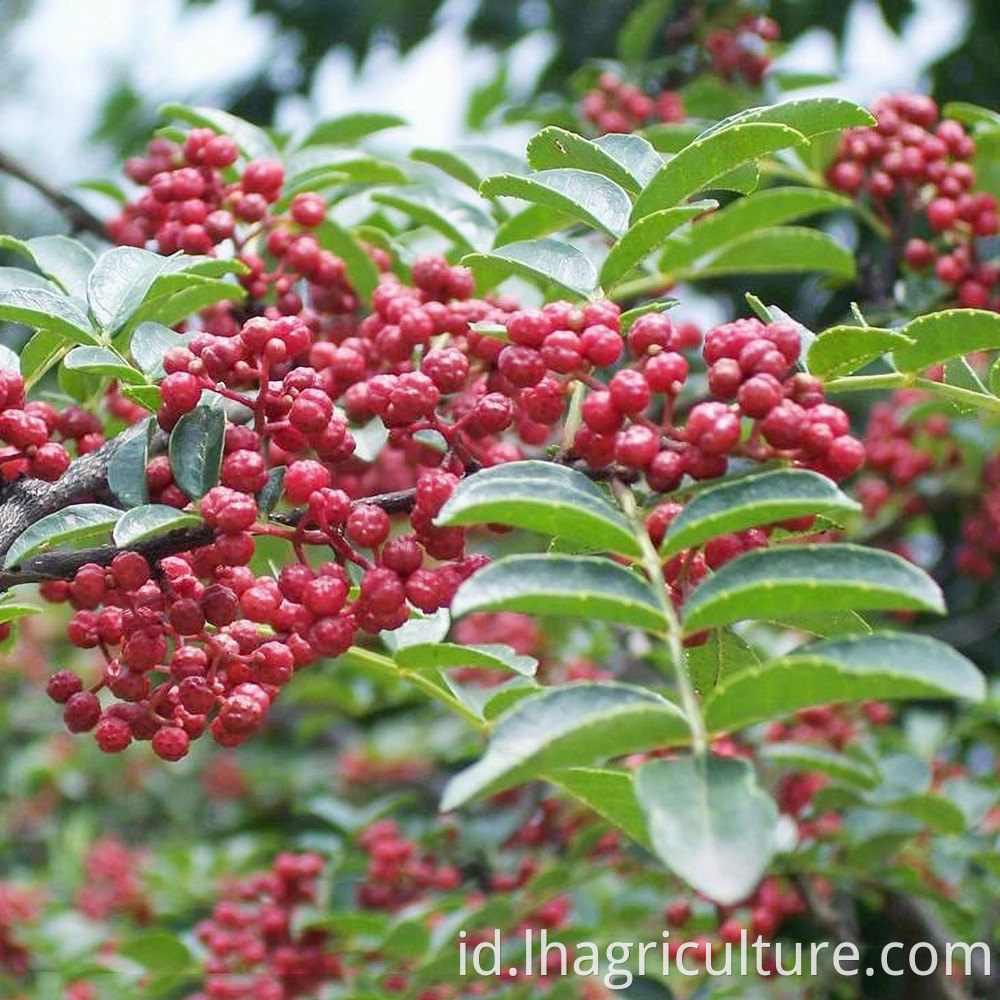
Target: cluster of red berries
{"type": "Point", "coordinates": [197, 197]}
{"type": "Point", "coordinates": [398, 873]}
{"type": "Point", "coordinates": [748, 363]}
{"type": "Point", "coordinates": [915, 169]}
{"type": "Point", "coordinates": [112, 882]}
{"type": "Point", "coordinates": [743, 51]}
{"type": "Point", "coordinates": [759, 916]}
{"type": "Point", "coordinates": [34, 434]}
{"type": "Point", "coordinates": [255, 951]}
{"type": "Point", "coordinates": [18, 908]}
{"type": "Point", "coordinates": [616, 106]}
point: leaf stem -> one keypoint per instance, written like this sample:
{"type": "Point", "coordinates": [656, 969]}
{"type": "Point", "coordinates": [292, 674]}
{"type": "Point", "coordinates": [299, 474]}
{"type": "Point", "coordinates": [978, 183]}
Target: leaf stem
{"type": "Point", "coordinates": [654, 570]}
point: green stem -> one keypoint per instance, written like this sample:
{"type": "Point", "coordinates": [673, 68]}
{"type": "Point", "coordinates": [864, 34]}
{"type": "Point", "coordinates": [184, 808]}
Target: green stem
{"type": "Point", "coordinates": [654, 570]}
{"type": "Point", "coordinates": [388, 668]}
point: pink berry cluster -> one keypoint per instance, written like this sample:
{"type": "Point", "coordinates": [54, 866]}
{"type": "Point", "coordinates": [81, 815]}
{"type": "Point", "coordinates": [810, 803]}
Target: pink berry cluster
{"type": "Point", "coordinates": [18, 909]}
{"type": "Point", "coordinates": [198, 197]}
{"type": "Point", "coordinates": [254, 950]}
{"type": "Point", "coordinates": [631, 420]}
{"type": "Point", "coordinates": [113, 883]}
{"type": "Point", "coordinates": [742, 51]}
{"type": "Point", "coordinates": [914, 168]}
{"type": "Point", "coordinates": [34, 435]}
{"type": "Point", "coordinates": [617, 106]}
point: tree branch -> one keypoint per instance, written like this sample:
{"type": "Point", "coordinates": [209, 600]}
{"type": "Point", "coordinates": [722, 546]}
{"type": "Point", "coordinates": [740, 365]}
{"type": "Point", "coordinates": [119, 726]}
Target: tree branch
{"type": "Point", "coordinates": [80, 219]}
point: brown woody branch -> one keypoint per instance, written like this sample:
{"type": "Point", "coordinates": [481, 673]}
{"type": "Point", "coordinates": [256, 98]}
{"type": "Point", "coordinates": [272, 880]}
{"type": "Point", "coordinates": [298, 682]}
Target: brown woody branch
{"type": "Point", "coordinates": [80, 219]}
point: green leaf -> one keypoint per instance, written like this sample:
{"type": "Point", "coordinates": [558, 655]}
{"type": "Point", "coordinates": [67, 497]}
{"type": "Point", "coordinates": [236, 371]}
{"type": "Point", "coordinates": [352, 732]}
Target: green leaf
{"type": "Point", "coordinates": [710, 823]}
{"type": "Point", "coordinates": [254, 143]}
{"type": "Point", "coordinates": [150, 343]}
{"type": "Point", "coordinates": [822, 624]}
{"type": "Point", "coordinates": [369, 440]}
{"type": "Point", "coordinates": [660, 305]}
{"type": "Point", "coordinates": [12, 612]}
{"type": "Point", "coordinates": [65, 260]}
{"type": "Point", "coordinates": [158, 951]}
{"type": "Point", "coordinates": [579, 586]}
{"type": "Point", "coordinates": [348, 129]}
{"type": "Point", "coordinates": [186, 294]}
{"type": "Point", "coordinates": [644, 237]}
{"type": "Point", "coordinates": [933, 811]}
{"type": "Point", "coordinates": [147, 396]}
{"type": "Point", "coordinates": [842, 350]}
{"type": "Point", "coordinates": [40, 353]}
{"type": "Point", "coordinates": [763, 209]}
{"type": "Point", "coordinates": [881, 666]}
{"type": "Point", "coordinates": [530, 223]}
{"type": "Point", "coordinates": [696, 166]}
{"type": "Point", "coordinates": [752, 501]}
{"type": "Point", "coordinates": [640, 29]}
{"type": "Point", "coordinates": [545, 497]}
{"type": "Point", "coordinates": [466, 225]}
{"type": "Point", "coordinates": [610, 793]}
{"type": "Point", "coordinates": [809, 116]}
{"type": "Point", "coordinates": [470, 164]}
{"type": "Point", "coordinates": [17, 277]}
{"type": "Point", "coordinates": [270, 492]}
{"type": "Point", "coordinates": [791, 579]}
{"type": "Point", "coordinates": [805, 757]}
{"type": "Point", "coordinates": [970, 114]}
{"type": "Point", "coordinates": [72, 524]}
{"type": "Point", "coordinates": [151, 520]}
{"type": "Point", "coordinates": [119, 282]}
{"type": "Point", "coordinates": [195, 449]}
{"type": "Point", "coordinates": [407, 939]}
{"type": "Point", "coordinates": [570, 725]}
{"type": "Point", "coordinates": [361, 269]}
{"type": "Point", "coordinates": [724, 653]}
{"type": "Point", "coordinates": [446, 655]}
{"type": "Point", "coordinates": [127, 467]}
{"type": "Point", "coordinates": [942, 335]}
{"type": "Point", "coordinates": [583, 195]}
{"type": "Point", "coordinates": [102, 361]}
{"type": "Point", "coordinates": [543, 261]}
{"type": "Point", "coordinates": [628, 160]}
{"type": "Point", "coordinates": [43, 310]}
{"type": "Point", "coordinates": [785, 249]}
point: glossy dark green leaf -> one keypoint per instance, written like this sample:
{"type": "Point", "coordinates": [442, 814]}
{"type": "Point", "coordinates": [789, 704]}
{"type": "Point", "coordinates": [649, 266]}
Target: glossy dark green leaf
{"type": "Point", "coordinates": [18, 277]}
{"type": "Point", "coordinates": [545, 497]}
{"type": "Point", "coordinates": [102, 361]}
{"type": "Point", "coordinates": [696, 166]}
{"type": "Point", "coordinates": [43, 310]}
{"type": "Point", "coordinates": [942, 335]}
{"type": "Point", "coordinates": [127, 466]}
{"type": "Point", "coordinates": [119, 282]}
{"type": "Point", "coordinates": [531, 223]}
{"type": "Point", "coordinates": [806, 757]}
{"type": "Point", "coordinates": [471, 164]}
{"type": "Point", "coordinates": [351, 127]}
{"type": "Point", "coordinates": [710, 822]}
{"type": "Point", "coordinates": [150, 520]}
{"type": "Point", "coordinates": [720, 656]}
{"type": "Point", "coordinates": [567, 726]}
{"type": "Point", "coordinates": [544, 261]}
{"type": "Point", "coordinates": [810, 116]}
{"type": "Point", "coordinates": [65, 260]}
{"type": "Point", "coordinates": [644, 238]}
{"type": "Point", "coordinates": [628, 160]}
{"type": "Point", "coordinates": [195, 449]}
{"type": "Point", "coordinates": [448, 655]}
{"type": "Point", "coordinates": [581, 194]}
{"type": "Point", "coordinates": [751, 501]}
{"type": "Point", "coordinates": [585, 587]}
{"type": "Point", "coordinates": [760, 210]}
{"type": "Point", "coordinates": [880, 666]}
{"type": "Point", "coordinates": [792, 579]}
{"type": "Point", "coordinates": [610, 793]}
{"type": "Point", "coordinates": [465, 224]}
{"type": "Point", "coordinates": [783, 249]}
{"type": "Point", "coordinates": [842, 350]}
{"type": "Point", "coordinates": [71, 524]}
{"type": "Point", "coordinates": [150, 342]}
